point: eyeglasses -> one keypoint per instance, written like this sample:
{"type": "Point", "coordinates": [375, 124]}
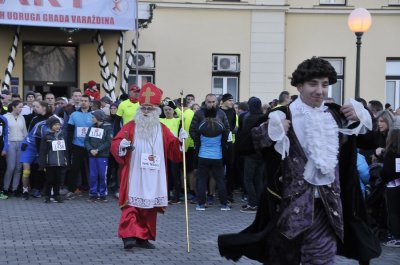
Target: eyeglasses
{"type": "Point", "coordinates": [148, 109]}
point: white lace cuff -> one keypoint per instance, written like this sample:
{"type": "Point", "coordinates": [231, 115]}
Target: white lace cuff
{"type": "Point", "coordinates": [277, 133]}
{"type": "Point", "coordinates": [364, 117]}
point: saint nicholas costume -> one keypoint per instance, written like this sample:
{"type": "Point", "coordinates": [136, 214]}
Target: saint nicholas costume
{"type": "Point", "coordinates": [143, 177]}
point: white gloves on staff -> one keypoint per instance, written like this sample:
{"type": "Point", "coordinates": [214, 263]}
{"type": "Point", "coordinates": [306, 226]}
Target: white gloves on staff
{"type": "Point", "coordinates": [123, 146]}
{"type": "Point", "coordinates": [183, 135]}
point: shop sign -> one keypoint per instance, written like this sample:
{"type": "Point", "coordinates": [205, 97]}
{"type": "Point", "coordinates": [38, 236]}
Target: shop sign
{"type": "Point", "coordinates": [90, 14]}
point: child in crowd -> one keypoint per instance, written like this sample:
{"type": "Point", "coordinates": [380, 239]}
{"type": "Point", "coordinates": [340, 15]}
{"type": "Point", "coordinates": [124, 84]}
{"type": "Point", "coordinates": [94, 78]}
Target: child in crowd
{"type": "Point", "coordinates": [53, 158]}
{"type": "Point", "coordinates": [97, 143]}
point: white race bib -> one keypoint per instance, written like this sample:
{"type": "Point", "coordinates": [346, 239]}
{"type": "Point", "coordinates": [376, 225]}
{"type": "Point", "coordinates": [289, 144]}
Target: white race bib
{"type": "Point", "coordinates": [96, 133]}
{"type": "Point", "coordinates": [230, 137]}
{"type": "Point", "coordinates": [397, 165]}
{"type": "Point", "coordinates": [81, 131]}
{"type": "Point", "coordinates": [150, 161]}
{"type": "Point", "coordinates": [58, 145]}
{"type": "Point", "coordinates": [1, 130]}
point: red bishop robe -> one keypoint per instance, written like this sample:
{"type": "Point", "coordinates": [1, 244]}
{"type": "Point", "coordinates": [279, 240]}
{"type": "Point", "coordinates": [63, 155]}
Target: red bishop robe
{"type": "Point", "coordinates": [138, 222]}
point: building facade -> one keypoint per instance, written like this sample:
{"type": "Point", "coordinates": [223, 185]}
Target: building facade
{"type": "Point", "coordinates": [244, 48]}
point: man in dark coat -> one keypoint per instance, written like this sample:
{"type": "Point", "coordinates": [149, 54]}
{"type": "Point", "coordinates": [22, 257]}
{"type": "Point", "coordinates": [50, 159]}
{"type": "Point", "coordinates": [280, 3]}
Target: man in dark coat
{"type": "Point", "coordinates": [312, 208]}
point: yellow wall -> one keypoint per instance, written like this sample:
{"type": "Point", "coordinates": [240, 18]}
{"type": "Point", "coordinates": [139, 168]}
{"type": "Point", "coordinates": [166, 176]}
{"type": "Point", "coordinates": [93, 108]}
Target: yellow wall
{"type": "Point", "coordinates": [184, 41]}
{"type": "Point", "coordinates": [327, 35]}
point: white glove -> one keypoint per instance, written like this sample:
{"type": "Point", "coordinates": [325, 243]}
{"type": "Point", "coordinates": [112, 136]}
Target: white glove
{"type": "Point", "coordinates": [124, 143]}
{"type": "Point", "coordinates": [183, 135]}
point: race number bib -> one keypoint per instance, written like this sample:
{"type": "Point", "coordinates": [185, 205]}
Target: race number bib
{"type": "Point", "coordinates": [1, 130]}
{"type": "Point", "coordinates": [150, 161]}
{"type": "Point", "coordinates": [58, 145]}
{"type": "Point", "coordinates": [96, 133]}
{"type": "Point", "coordinates": [81, 131]}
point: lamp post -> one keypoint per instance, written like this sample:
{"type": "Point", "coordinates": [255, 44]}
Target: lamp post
{"type": "Point", "coordinates": [359, 21]}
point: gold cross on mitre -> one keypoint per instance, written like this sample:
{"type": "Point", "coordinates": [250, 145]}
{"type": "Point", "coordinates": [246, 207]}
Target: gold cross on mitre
{"type": "Point", "coordinates": [148, 94]}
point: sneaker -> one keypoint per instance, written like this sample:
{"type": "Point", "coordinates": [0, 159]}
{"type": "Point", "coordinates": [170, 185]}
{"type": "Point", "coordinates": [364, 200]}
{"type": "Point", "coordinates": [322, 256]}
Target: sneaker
{"type": "Point", "coordinates": [3, 196]}
{"type": "Point", "coordinates": [225, 208]}
{"type": "Point", "coordinates": [70, 195]}
{"type": "Point", "coordinates": [47, 199]}
{"type": "Point", "coordinates": [175, 201]}
{"type": "Point", "coordinates": [58, 199]}
{"type": "Point", "coordinates": [116, 195]}
{"type": "Point", "coordinates": [25, 196]}
{"type": "Point", "coordinates": [36, 193]}
{"type": "Point", "coordinates": [92, 199]}
{"type": "Point", "coordinates": [394, 243]}
{"type": "Point", "coordinates": [64, 192]}
{"type": "Point", "coordinates": [249, 209]}
{"type": "Point", "coordinates": [103, 199]}
{"type": "Point", "coordinates": [200, 207]}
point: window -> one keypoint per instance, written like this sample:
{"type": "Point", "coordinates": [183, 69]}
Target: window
{"type": "Point", "coordinates": [393, 82]}
{"type": "Point", "coordinates": [225, 74]}
{"type": "Point", "coordinates": [332, 2]}
{"type": "Point", "coordinates": [146, 65]}
{"type": "Point", "coordinates": [336, 91]}
{"type": "Point", "coordinates": [225, 84]}
{"type": "Point", "coordinates": [394, 3]}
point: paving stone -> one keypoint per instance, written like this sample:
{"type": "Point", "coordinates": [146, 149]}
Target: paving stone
{"type": "Point", "coordinates": [78, 232]}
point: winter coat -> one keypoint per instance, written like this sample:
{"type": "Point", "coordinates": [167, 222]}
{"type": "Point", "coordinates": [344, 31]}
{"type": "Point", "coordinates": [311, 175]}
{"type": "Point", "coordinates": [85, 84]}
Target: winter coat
{"type": "Point", "coordinates": [48, 157]}
{"type": "Point", "coordinates": [99, 138]}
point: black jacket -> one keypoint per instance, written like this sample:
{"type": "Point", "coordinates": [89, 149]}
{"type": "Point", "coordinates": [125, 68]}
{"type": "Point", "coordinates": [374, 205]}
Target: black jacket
{"type": "Point", "coordinates": [244, 142]}
{"type": "Point", "coordinates": [198, 118]}
{"type": "Point", "coordinates": [101, 144]}
{"type": "Point", "coordinates": [48, 157]}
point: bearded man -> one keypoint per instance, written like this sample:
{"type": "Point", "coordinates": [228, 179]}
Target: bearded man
{"type": "Point", "coordinates": [142, 148]}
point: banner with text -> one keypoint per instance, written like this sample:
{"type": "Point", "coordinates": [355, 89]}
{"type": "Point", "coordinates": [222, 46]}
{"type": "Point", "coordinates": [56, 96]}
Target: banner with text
{"type": "Point", "coordinates": [89, 14]}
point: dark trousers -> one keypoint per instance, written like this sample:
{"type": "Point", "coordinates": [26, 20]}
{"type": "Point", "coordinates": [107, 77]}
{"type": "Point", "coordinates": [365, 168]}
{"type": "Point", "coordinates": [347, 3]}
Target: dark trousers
{"type": "Point", "coordinates": [174, 179]}
{"type": "Point", "coordinates": [79, 168]}
{"type": "Point", "coordinates": [112, 174]}
{"type": "Point", "coordinates": [37, 178]}
{"type": "Point", "coordinates": [3, 166]}
{"type": "Point", "coordinates": [229, 175]}
{"type": "Point", "coordinates": [217, 168]}
{"type": "Point", "coordinates": [53, 178]}
{"type": "Point", "coordinates": [393, 209]}
{"type": "Point", "coordinates": [253, 178]}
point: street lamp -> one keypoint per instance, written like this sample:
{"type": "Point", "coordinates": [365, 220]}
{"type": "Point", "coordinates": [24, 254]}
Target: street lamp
{"type": "Point", "coordinates": [359, 21]}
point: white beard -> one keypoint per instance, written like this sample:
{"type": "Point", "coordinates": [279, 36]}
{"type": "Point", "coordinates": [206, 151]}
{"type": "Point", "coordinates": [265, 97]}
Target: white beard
{"type": "Point", "coordinates": [145, 124]}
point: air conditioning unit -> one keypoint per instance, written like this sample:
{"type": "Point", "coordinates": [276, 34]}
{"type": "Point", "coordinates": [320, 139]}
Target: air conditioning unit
{"type": "Point", "coordinates": [227, 63]}
{"type": "Point", "coordinates": [144, 60]}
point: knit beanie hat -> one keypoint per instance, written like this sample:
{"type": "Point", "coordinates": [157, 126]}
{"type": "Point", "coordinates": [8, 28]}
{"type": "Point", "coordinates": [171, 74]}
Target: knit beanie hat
{"type": "Point", "coordinates": [99, 115]}
{"type": "Point", "coordinates": [226, 97]}
{"type": "Point", "coordinates": [106, 100]}
{"type": "Point", "coordinates": [51, 121]}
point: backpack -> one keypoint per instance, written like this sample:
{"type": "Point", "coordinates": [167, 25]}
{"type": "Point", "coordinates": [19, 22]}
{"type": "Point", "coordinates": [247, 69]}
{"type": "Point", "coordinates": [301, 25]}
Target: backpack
{"type": "Point", "coordinates": [211, 127]}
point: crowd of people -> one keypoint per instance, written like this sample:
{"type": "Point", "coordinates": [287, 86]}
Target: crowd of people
{"type": "Point", "coordinates": [61, 148]}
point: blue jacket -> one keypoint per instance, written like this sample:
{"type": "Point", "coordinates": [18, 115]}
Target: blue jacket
{"type": "Point", "coordinates": [3, 134]}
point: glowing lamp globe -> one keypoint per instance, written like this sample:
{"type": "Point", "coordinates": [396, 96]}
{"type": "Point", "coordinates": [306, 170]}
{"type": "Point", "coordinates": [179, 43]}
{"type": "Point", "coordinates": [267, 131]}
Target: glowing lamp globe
{"type": "Point", "coordinates": [359, 20]}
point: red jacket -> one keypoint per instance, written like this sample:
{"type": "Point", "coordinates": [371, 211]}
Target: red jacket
{"type": "Point", "coordinates": [94, 95]}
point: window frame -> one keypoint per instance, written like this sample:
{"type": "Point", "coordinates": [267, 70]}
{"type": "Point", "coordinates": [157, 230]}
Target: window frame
{"type": "Point", "coordinates": [339, 77]}
{"type": "Point", "coordinates": [396, 79]}
{"type": "Point", "coordinates": [332, 3]}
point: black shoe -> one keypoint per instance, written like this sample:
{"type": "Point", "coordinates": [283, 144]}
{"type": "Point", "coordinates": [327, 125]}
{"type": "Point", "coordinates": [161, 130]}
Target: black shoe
{"type": "Point", "coordinates": [141, 243]}
{"type": "Point", "coordinates": [58, 199]}
{"type": "Point", "coordinates": [47, 199]}
{"type": "Point", "coordinates": [25, 196]}
{"type": "Point", "coordinates": [129, 242]}
{"type": "Point", "coordinates": [103, 199]}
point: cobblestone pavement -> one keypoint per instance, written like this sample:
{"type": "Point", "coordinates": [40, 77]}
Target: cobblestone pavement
{"type": "Point", "coordinates": [79, 232]}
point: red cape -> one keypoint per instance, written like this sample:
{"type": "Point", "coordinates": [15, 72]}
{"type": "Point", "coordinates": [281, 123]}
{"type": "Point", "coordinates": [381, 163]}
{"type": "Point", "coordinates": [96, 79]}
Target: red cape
{"type": "Point", "coordinates": [171, 152]}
